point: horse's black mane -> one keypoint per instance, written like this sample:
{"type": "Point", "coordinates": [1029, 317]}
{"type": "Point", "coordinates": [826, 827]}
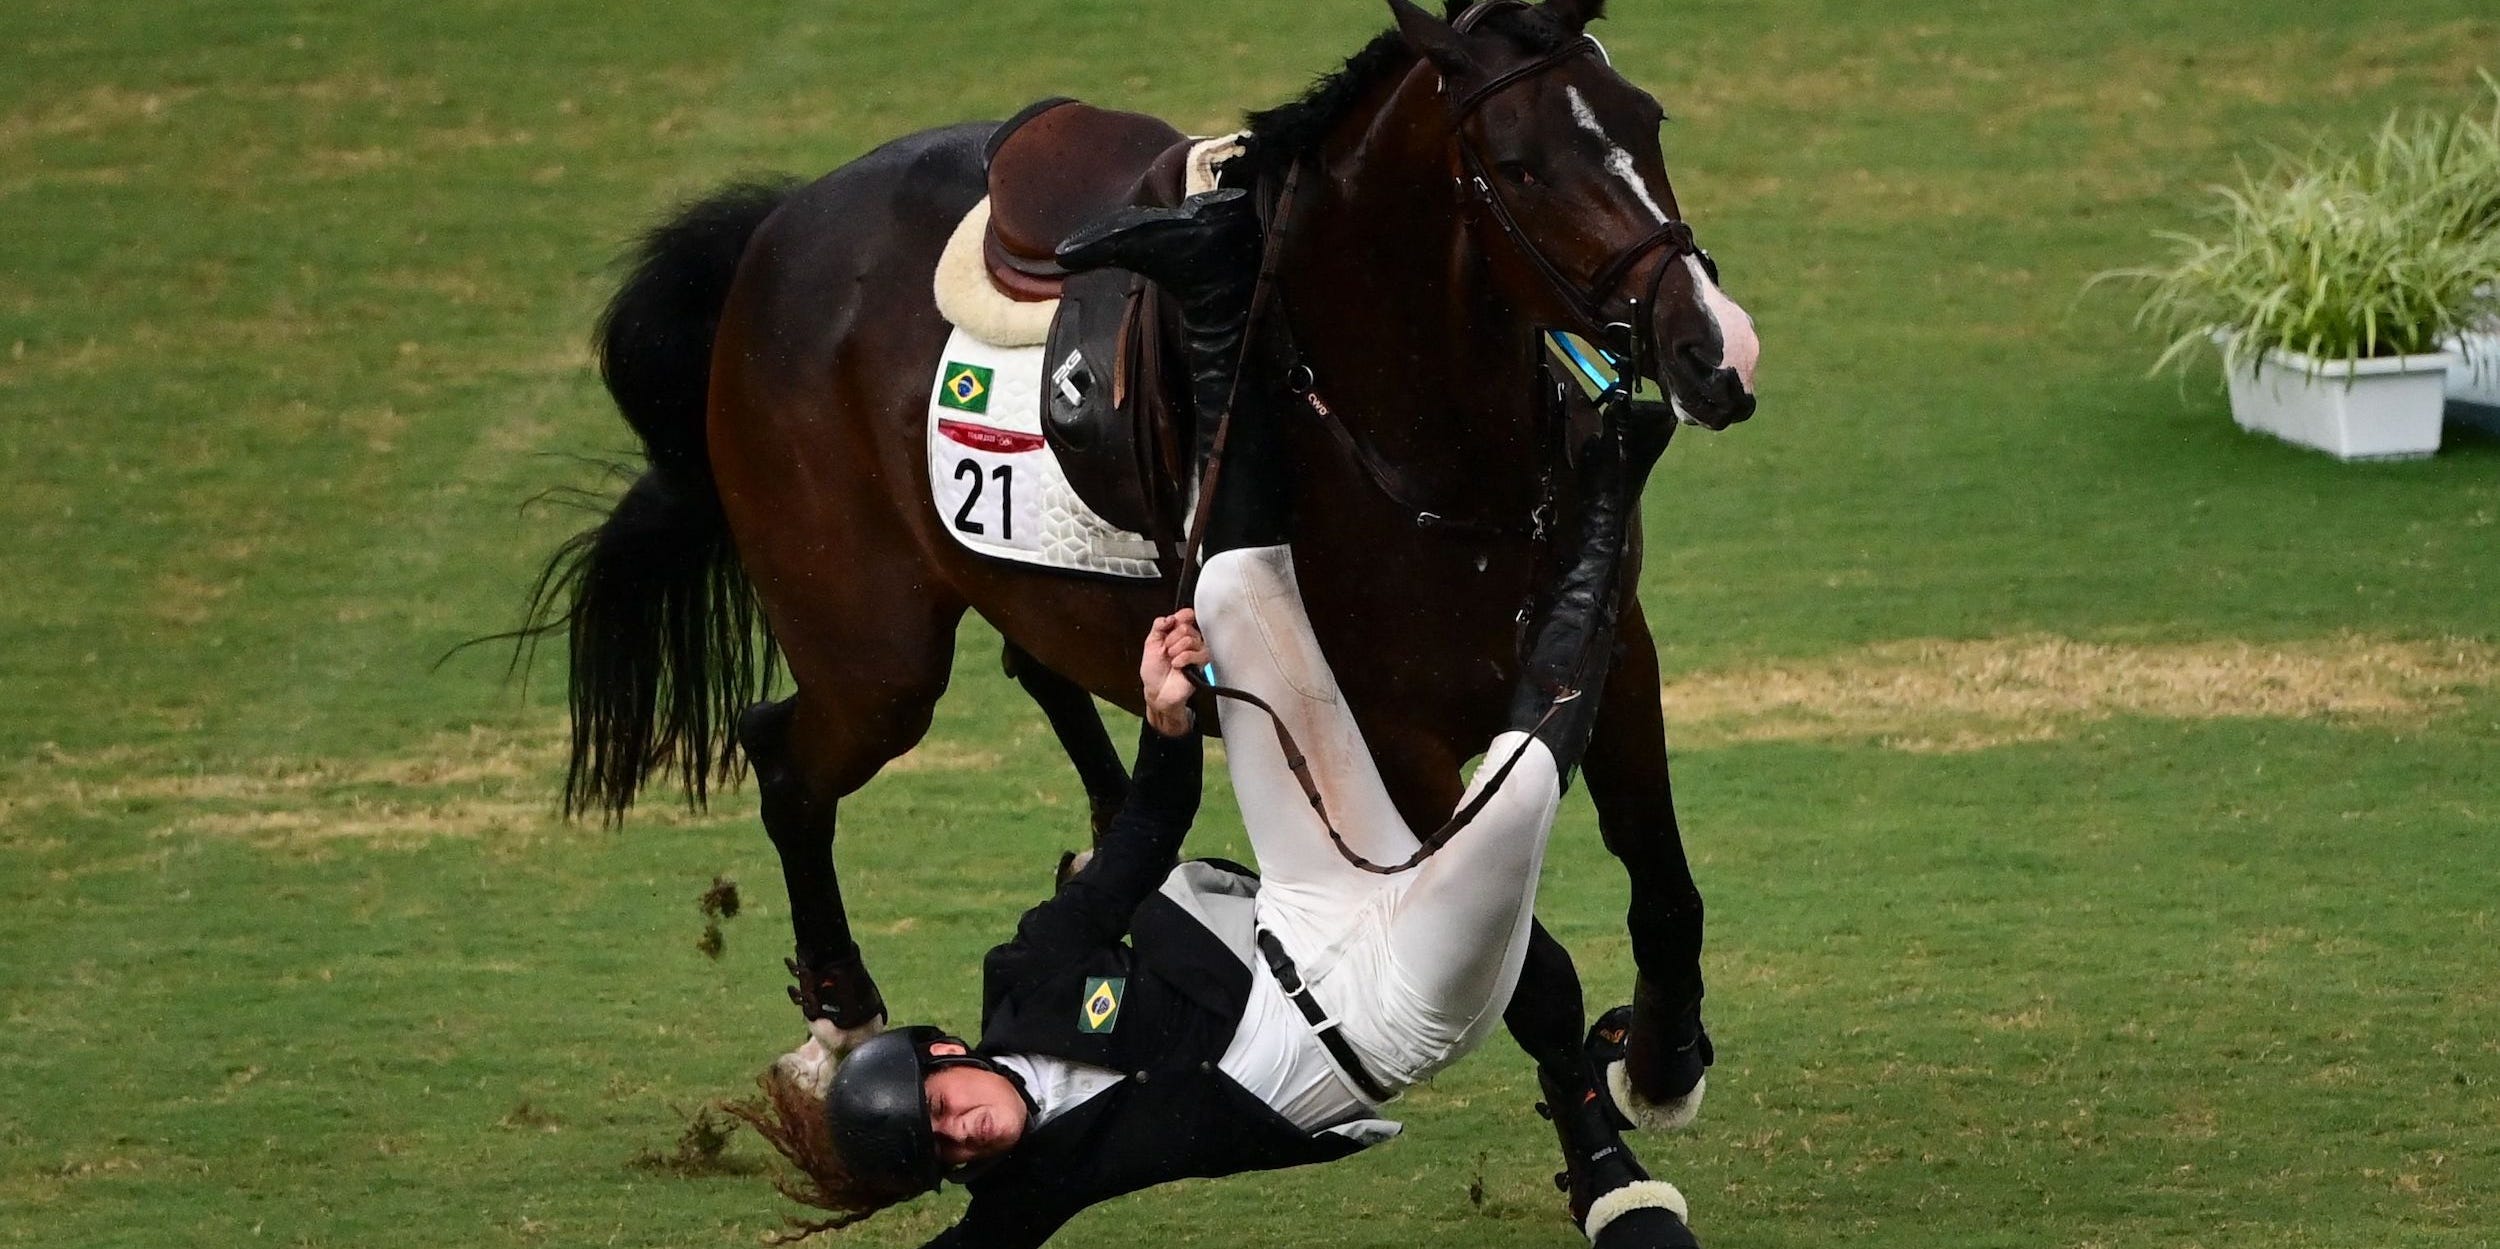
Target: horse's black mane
{"type": "Point", "coordinates": [1290, 131]}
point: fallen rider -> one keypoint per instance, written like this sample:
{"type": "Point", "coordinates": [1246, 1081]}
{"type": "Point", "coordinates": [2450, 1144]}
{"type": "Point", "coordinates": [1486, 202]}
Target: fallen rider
{"type": "Point", "coordinates": [1156, 1020]}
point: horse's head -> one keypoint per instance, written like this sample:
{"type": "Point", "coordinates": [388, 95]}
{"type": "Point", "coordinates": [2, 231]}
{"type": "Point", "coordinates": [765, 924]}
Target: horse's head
{"type": "Point", "coordinates": [1557, 159]}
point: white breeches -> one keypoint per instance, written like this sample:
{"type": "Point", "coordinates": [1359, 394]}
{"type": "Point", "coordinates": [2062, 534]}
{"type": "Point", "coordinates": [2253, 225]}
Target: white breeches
{"type": "Point", "coordinates": [1417, 967]}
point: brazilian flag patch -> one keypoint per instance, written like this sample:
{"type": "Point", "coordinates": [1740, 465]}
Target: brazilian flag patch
{"type": "Point", "coordinates": [1102, 1003]}
{"type": "Point", "coordinates": [966, 388]}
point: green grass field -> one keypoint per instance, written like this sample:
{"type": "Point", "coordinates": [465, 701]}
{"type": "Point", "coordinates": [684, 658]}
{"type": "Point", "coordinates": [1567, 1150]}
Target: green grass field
{"type": "Point", "coordinates": [2096, 805]}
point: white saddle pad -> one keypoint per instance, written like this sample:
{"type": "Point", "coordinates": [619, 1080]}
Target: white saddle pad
{"type": "Point", "coordinates": [996, 484]}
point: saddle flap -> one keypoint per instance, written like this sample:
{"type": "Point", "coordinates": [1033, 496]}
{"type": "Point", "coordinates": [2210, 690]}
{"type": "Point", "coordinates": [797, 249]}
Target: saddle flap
{"type": "Point", "coordinates": [1109, 382]}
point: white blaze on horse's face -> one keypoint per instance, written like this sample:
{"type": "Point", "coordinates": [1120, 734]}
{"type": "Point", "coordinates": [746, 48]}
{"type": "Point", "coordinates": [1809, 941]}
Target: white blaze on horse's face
{"type": "Point", "coordinates": [1739, 349]}
{"type": "Point", "coordinates": [1618, 157]}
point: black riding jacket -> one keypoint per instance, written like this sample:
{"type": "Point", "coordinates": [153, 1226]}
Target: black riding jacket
{"type": "Point", "coordinates": [1112, 971]}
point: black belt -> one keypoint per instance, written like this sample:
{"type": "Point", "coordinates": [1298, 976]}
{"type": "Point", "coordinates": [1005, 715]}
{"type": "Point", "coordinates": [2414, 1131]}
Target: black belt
{"type": "Point", "coordinates": [1290, 980]}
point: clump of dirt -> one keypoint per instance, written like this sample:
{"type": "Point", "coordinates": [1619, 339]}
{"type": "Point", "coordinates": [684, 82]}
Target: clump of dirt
{"type": "Point", "coordinates": [718, 903]}
{"type": "Point", "coordinates": [701, 1151]}
{"type": "Point", "coordinates": [529, 1116]}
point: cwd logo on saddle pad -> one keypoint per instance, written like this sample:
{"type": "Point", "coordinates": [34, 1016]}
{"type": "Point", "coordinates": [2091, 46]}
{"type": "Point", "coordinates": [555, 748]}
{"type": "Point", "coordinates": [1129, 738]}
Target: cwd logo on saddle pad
{"type": "Point", "coordinates": [1102, 1003]}
{"type": "Point", "coordinates": [966, 387]}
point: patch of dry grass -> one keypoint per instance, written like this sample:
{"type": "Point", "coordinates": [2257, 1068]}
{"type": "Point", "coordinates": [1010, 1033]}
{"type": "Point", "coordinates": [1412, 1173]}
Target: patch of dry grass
{"type": "Point", "coordinates": [1921, 696]}
{"type": "Point", "coordinates": [482, 782]}
{"type": "Point", "coordinates": [471, 783]}
{"type": "Point", "coordinates": [935, 755]}
{"type": "Point", "coordinates": [99, 108]}
{"type": "Point", "coordinates": [1933, 695]}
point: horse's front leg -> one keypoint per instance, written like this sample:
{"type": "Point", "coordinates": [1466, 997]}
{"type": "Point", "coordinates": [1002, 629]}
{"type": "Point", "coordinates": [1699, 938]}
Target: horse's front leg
{"type": "Point", "coordinates": [1659, 1083]}
{"type": "Point", "coordinates": [1613, 1200]}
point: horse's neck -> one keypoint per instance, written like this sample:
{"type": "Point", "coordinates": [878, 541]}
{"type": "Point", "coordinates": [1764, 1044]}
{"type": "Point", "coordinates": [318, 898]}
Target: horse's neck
{"type": "Point", "coordinates": [1417, 357]}
{"type": "Point", "coordinates": [1414, 355]}
{"type": "Point", "coordinates": [1440, 399]}
{"type": "Point", "coordinates": [1427, 372]}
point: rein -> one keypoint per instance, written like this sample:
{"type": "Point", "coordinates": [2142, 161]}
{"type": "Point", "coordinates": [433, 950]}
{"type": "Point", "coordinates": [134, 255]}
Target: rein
{"type": "Point", "coordinates": [1262, 299]}
{"type": "Point", "coordinates": [1303, 385]}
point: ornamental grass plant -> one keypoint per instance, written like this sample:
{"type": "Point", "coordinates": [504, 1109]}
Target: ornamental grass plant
{"type": "Point", "coordinates": [2445, 168]}
{"type": "Point", "coordinates": [2339, 256]}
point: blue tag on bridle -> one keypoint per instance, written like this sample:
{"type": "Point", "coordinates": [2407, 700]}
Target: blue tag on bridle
{"type": "Point", "coordinates": [1598, 369]}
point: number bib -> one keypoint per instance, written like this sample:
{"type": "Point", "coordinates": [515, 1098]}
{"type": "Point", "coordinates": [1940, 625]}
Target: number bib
{"type": "Point", "coordinates": [993, 478]}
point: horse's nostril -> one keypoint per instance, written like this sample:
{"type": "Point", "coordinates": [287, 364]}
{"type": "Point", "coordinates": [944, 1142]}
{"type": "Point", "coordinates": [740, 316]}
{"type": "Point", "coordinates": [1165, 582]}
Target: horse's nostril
{"type": "Point", "coordinates": [1740, 402]}
{"type": "Point", "coordinates": [1698, 359]}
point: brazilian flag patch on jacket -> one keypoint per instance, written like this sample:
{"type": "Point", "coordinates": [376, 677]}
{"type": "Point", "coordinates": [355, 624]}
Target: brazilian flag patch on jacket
{"type": "Point", "coordinates": [1102, 1004]}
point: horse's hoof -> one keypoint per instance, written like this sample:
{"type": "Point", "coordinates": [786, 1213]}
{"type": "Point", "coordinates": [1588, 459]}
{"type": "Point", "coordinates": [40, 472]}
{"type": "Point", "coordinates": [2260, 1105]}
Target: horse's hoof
{"type": "Point", "coordinates": [1672, 1115]}
{"type": "Point", "coordinates": [845, 994]}
{"type": "Point", "coordinates": [1665, 1053]}
{"type": "Point", "coordinates": [838, 1041]}
{"type": "Point", "coordinates": [1609, 1043]}
{"type": "Point", "coordinates": [810, 1066]}
{"type": "Point", "coordinates": [1648, 1214]}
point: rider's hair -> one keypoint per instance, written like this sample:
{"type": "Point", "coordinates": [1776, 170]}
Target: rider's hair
{"type": "Point", "coordinates": [791, 1118]}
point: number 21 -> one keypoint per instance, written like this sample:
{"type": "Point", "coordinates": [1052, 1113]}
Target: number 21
{"type": "Point", "coordinates": [1004, 475]}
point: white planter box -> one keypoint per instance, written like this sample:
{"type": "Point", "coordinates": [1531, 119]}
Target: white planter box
{"type": "Point", "coordinates": [2384, 409]}
{"type": "Point", "coordinates": [2475, 377]}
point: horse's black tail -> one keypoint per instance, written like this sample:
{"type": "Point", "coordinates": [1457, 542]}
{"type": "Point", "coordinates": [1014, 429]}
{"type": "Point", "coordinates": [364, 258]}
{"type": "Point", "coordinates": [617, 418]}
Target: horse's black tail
{"type": "Point", "coordinates": [667, 640]}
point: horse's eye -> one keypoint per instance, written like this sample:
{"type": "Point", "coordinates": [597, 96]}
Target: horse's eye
{"type": "Point", "coordinates": [1517, 173]}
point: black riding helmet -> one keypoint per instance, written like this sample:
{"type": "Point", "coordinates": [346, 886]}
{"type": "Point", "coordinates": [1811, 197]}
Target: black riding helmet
{"type": "Point", "coordinates": [878, 1109]}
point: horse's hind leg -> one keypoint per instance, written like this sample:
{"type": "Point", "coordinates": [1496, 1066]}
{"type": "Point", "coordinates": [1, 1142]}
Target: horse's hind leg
{"type": "Point", "coordinates": [1072, 717]}
{"type": "Point", "coordinates": [833, 983]}
{"type": "Point", "coordinates": [809, 751]}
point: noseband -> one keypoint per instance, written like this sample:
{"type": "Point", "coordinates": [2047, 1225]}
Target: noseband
{"type": "Point", "coordinates": [1633, 339]}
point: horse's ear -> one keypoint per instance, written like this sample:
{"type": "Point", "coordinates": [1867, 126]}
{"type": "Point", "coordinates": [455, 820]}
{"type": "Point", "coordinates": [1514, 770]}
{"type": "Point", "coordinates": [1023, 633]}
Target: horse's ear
{"type": "Point", "coordinates": [1576, 14]}
{"type": "Point", "coordinates": [1431, 38]}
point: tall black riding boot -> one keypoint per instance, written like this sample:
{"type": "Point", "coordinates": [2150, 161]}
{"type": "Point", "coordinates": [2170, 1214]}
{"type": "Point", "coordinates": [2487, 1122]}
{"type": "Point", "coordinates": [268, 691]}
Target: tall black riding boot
{"type": "Point", "coordinates": [1570, 645]}
{"type": "Point", "coordinates": [1205, 255]}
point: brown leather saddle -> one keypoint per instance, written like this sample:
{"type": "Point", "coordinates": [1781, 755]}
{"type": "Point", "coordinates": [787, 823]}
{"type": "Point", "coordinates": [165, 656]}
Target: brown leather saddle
{"type": "Point", "coordinates": [1112, 373]}
{"type": "Point", "coordinates": [1059, 166]}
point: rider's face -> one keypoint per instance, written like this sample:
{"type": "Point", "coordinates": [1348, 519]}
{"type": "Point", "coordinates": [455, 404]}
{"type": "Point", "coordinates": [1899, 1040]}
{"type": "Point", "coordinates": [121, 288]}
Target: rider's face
{"type": "Point", "coordinates": [976, 1113]}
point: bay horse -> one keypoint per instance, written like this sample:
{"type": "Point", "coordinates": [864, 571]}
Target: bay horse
{"type": "Point", "coordinates": [1464, 183]}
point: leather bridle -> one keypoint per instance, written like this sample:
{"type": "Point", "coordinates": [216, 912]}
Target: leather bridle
{"type": "Point", "coordinates": [1634, 338]}
{"type": "Point", "coordinates": [1674, 238]}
